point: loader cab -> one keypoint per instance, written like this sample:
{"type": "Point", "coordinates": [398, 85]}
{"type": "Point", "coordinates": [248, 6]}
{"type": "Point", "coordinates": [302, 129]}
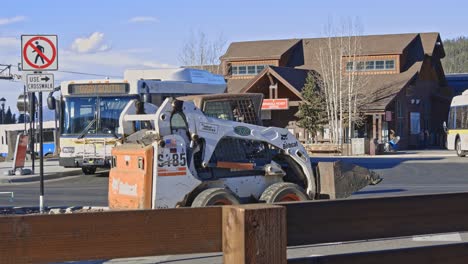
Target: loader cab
{"type": "Point", "coordinates": [179, 126]}
{"type": "Point", "coordinates": [243, 108]}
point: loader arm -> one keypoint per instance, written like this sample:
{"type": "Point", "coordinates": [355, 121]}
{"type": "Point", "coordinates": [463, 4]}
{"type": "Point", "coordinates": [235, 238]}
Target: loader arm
{"type": "Point", "coordinates": [213, 130]}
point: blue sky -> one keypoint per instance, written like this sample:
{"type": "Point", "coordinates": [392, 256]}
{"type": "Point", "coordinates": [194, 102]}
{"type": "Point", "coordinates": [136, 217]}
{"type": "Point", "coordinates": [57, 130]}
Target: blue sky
{"type": "Point", "coordinates": [107, 37]}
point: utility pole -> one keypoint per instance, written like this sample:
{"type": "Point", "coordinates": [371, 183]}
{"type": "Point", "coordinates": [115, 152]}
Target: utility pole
{"type": "Point", "coordinates": [32, 117]}
{"type": "Point", "coordinates": [41, 155]}
{"type": "Point", "coordinates": [39, 52]}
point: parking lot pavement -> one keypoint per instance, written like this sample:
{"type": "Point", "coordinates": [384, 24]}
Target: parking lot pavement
{"type": "Point", "coordinates": [52, 170]}
{"type": "Point", "coordinates": [435, 152]}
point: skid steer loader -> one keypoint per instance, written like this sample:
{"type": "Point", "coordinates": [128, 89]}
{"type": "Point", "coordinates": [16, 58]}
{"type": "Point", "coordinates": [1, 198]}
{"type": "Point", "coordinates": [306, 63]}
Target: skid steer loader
{"type": "Point", "coordinates": [212, 150]}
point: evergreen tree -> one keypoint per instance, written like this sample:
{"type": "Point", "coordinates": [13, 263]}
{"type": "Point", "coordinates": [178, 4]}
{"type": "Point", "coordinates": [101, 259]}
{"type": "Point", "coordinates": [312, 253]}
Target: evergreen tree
{"type": "Point", "coordinates": [8, 117]}
{"type": "Point", "coordinates": [456, 55]}
{"type": "Point", "coordinates": [312, 113]}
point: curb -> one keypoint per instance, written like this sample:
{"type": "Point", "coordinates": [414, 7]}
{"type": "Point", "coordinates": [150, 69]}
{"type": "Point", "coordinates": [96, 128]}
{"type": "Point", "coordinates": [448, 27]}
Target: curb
{"type": "Point", "coordinates": [5, 180]}
{"type": "Point", "coordinates": [11, 210]}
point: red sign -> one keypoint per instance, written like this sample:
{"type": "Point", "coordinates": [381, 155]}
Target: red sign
{"type": "Point", "coordinates": [20, 151]}
{"type": "Point", "coordinates": [275, 104]}
{"type": "Point", "coordinates": [39, 52]}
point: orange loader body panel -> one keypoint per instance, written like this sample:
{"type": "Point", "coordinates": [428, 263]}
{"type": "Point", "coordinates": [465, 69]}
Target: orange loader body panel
{"type": "Point", "coordinates": [130, 178]}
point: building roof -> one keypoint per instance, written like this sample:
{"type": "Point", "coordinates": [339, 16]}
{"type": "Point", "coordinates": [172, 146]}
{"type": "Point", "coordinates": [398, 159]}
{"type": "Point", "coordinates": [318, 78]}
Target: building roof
{"type": "Point", "coordinates": [235, 85]}
{"type": "Point", "coordinates": [372, 44]}
{"type": "Point", "coordinates": [382, 89]}
{"type": "Point", "coordinates": [293, 79]}
{"type": "Point", "coordinates": [458, 82]}
{"type": "Point", "coordinates": [264, 49]}
{"type": "Point", "coordinates": [429, 41]}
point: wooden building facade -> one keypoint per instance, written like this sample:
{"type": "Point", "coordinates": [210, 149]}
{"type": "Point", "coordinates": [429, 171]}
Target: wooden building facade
{"type": "Point", "coordinates": [405, 82]}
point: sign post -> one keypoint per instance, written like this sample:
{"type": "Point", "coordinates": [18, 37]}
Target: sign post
{"type": "Point", "coordinates": [38, 53]}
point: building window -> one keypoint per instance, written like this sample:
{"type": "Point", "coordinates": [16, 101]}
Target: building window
{"type": "Point", "coordinates": [234, 70]}
{"type": "Point", "coordinates": [379, 65]}
{"type": "Point", "coordinates": [372, 65]}
{"type": "Point", "coordinates": [389, 64]}
{"type": "Point", "coordinates": [359, 66]}
{"type": "Point", "coordinates": [242, 70]}
{"type": "Point", "coordinates": [415, 122]}
{"type": "Point", "coordinates": [251, 70]}
{"type": "Point", "coordinates": [247, 69]}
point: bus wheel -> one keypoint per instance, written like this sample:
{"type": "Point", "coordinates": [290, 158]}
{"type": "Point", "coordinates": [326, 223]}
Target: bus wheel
{"type": "Point", "coordinates": [458, 147]}
{"type": "Point", "coordinates": [283, 192]}
{"type": "Point", "coordinates": [88, 170]}
{"type": "Point", "coordinates": [215, 196]}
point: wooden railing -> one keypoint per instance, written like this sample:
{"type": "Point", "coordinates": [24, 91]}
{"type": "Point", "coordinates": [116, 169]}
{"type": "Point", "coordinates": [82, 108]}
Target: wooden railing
{"type": "Point", "coordinates": [257, 233]}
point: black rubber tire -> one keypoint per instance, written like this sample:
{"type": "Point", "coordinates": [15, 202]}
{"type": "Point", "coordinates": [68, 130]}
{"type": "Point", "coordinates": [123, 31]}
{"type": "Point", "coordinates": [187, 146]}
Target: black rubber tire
{"type": "Point", "coordinates": [88, 170]}
{"type": "Point", "coordinates": [283, 192]}
{"type": "Point", "coordinates": [215, 196]}
{"type": "Point", "coordinates": [460, 152]}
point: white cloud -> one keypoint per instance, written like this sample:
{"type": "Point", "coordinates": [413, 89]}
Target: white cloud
{"type": "Point", "coordinates": [8, 42]}
{"type": "Point", "coordinates": [139, 50]}
{"type": "Point", "coordinates": [141, 19]}
{"type": "Point", "coordinates": [110, 62]}
{"type": "Point", "coordinates": [11, 20]}
{"type": "Point", "coordinates": [93, 43]}
{"type": "Point", "coordinates": [111, 59]}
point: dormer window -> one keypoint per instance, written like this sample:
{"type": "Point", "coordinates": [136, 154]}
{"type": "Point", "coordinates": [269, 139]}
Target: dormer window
{"type": "Point", "coordinates": [247, 69]}
{"type": "Point", "coordinates": [389, 64]}
{"type": "Point", "coordinates": [370, 65]}
{"type": "Point", "coordinates": [379, 65]}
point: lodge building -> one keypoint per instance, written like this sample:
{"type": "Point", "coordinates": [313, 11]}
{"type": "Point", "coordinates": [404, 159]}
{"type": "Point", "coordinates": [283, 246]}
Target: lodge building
{"type": "Point", "coordinates": [405, 82]}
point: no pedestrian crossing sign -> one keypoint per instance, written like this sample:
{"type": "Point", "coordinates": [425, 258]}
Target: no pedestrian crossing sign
{"type": "Point", "coordinates": [39, 53]}
{"type": "Point", "coordinates": [40, 82]}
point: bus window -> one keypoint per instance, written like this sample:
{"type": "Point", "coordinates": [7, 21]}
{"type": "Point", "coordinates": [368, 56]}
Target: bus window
{"type": "Point", "coordinates": [459, 117]}
{"type": "Point", "coordinates": [450, 123]}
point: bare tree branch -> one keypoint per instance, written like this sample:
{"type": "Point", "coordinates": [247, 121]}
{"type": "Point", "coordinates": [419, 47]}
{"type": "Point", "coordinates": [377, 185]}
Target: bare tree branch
{"type": "Point", "coordinates": [198, 50]}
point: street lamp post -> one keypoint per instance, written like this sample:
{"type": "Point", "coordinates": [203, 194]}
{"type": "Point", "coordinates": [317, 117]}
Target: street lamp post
{"type": "Point", "coordinates": [2, 103]}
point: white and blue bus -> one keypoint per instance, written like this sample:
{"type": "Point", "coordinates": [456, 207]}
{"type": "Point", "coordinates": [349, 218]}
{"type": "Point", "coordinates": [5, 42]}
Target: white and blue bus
{"type": "Point", "coordinates": [9, 133]}
{"type": "Point", "coordinates": [90, 110]}
{"type": "Point", "coordinates": [457, 125]}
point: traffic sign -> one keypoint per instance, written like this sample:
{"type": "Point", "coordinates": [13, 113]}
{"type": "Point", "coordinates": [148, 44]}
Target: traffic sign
{"type": "Point", "coordinates": [40, 82]}
{"type": "Point", "coordinates": [39, 52]}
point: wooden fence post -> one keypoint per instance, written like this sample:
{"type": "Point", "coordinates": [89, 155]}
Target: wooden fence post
{"type": "Point", "coordinates": [254, 233]}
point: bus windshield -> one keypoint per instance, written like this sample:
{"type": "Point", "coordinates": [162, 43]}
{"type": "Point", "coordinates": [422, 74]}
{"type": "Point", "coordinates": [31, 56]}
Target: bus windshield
{"type": "Point", "coordinates": [84, 116]}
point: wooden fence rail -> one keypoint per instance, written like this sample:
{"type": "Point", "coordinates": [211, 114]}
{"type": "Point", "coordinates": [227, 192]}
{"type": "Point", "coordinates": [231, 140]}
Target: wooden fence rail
{"type": "Point", "coordinates": [357, 219]}
{"type": "Point", "coordinates": [444, 254]}
{"type": "Point", "coordinates": [256, 233]}
{"type": "Point", "coordinates": [107, 235]}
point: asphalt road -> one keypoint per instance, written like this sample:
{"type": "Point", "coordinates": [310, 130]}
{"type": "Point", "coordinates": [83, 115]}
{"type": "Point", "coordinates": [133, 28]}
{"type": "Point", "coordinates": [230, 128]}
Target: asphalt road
{"type": "Point", "coordinates": [84, 190]}
{"type": "Point", "coordinates": [405, 174]}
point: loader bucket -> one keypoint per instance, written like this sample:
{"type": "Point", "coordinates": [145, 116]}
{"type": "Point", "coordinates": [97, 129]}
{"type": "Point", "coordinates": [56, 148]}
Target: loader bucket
{"type": "Point", "coordinates": [341, 179]}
